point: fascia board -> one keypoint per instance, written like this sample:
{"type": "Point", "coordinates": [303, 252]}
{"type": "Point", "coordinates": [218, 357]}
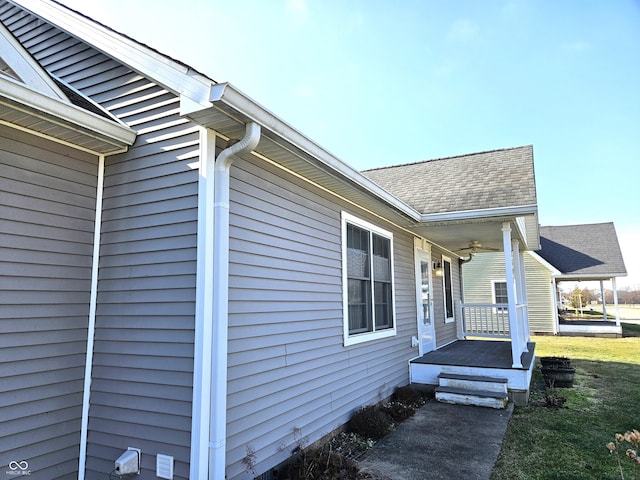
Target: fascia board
{"type": "Point", "coordinates": [515, 211]}
{"type": "Point", "coordinates": [230, 98]}
{"type": "Point", "coordinates": [64, 114]}
{"type": "Point", "coordinates": [176, 77]}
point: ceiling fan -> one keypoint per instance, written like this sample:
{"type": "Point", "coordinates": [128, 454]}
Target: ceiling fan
{"type": "Point", "coordinates": [475, 247]}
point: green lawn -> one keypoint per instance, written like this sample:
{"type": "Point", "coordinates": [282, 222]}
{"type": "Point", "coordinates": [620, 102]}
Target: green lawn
{"type": "Point", "coordinates": [569, 443]}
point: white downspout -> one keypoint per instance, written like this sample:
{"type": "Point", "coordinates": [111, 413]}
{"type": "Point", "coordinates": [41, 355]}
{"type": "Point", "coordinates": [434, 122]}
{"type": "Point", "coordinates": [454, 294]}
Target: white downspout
{"type": "Point", "coordinates": [91, 328]}
{"type": "Point", "coordinates": [218, 406]}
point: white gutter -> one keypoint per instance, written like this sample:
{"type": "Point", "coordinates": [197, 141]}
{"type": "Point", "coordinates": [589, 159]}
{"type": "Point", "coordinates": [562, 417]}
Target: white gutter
{"type": "Point", "coordinates": [218, 405]}
{"type": "Point", "coordinates": [482, 213]}
{"type": "Point", "coordinates": [228, 99]}
{"type": "Point", "coordinates": [84, 424]}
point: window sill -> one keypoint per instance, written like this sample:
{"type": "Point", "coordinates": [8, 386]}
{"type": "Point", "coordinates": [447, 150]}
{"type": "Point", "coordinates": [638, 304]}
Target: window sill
{"type": "Point", "coordinates": [369, 336]}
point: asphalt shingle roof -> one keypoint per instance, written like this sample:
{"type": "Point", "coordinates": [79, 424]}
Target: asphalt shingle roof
{"type": "Point", "coordinates": [493, 179]}
{"type": "Point", "coordinates": [591, 249]}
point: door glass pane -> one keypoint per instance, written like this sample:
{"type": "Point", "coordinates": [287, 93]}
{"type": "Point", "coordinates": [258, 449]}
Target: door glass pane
{"type": "Point", "coordinates": [448, 292]}
{"type": "Point", "coordinates": [424, 291]}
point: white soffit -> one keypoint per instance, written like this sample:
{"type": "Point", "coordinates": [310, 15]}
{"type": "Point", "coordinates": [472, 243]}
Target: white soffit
{"type": "Point", "coordinates": [28, 110]}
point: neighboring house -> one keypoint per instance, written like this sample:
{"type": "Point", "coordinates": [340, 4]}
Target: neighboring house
{"type": "Point", "coordinates": [185, 273]}
{"type": "Point", "coordinates": [568, 253]}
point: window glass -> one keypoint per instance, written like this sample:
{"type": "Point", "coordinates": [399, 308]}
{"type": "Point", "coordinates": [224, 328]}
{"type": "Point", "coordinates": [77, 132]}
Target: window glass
{"type": "Point", "coordinates": [448, 292]}
{"type": "Point", "coordinates": [369, 278]}
{"type": "Point", "coordinates": [500, 292]}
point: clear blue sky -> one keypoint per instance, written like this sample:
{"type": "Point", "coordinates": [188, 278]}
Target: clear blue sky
{"type": "Point", "coordinates": [379, 83]}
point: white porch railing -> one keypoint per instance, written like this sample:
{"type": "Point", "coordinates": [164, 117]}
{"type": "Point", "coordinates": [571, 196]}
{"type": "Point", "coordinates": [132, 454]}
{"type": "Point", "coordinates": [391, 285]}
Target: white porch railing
{"type": "Point", "coordinates": [483, 320]}
{"type": "Point", "coordinates": [491, 320]}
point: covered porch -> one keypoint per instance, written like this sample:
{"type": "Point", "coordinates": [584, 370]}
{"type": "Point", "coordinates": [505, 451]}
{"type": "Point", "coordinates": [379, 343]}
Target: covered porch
{"type": "Point", "coordinates": [594, 323]}
{"type": "Point", "coordinates": [493, 353]}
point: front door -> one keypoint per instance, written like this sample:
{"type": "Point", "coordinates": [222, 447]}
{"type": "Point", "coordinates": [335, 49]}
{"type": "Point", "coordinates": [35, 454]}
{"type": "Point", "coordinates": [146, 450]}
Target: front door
{"type": "Point", "coordinates": [426, 332]}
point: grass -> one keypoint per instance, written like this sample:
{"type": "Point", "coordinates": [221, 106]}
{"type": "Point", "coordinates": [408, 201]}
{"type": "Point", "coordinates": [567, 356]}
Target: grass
{"type": "Point", "coordinates": [570, 443]}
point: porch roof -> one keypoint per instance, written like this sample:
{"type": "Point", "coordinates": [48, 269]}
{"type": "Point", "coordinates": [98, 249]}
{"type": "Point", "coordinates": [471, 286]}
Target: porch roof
{"type": "Point", "coordinates": [467, 198]}
{"type": "Point", "coordinates": [583, 252]}
{"type": "Point", "coordinates": [477, 181]}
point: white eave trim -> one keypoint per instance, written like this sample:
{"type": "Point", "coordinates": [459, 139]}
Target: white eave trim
{"type": "Point", "coordinates": [588, 278]}
{"type": "Point", "coordinates": [516, 211]}
{"type": "Point", "coordinates": [176, 77]}
{"type": "Point", "coordinates": [25, 67]}
{"type": "Point", "coordinates": [19, 97]}
{"type": "Point", "coordinates": [226, 98]}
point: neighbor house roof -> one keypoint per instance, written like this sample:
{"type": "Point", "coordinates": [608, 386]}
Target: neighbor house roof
{"type": "Point", "coordinates": [477, 181]}
{"type": "Point", "coordinates": [583, 252]}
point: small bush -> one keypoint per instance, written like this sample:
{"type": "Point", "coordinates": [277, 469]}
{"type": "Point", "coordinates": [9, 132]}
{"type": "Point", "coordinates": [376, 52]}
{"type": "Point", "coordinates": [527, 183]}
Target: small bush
{"type": "Point", "coordinates": [398, 412]}
{"type": "Point", "coordinates": [409, 397]}
{"type": "Point", "coordinates": [370, 422]}
{"type": "Point", "coordinates": [320, 464]}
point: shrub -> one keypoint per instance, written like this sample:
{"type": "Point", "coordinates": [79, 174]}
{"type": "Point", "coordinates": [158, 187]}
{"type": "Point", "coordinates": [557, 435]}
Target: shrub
{"type": "Point", "coordinates": [370, 422]}
{"type": "Point", "coordinates": [320, 464]}
{"type": "Point", "coordinates": [398, 412]}
{"type": "Point", "coordinates": [409, 397]}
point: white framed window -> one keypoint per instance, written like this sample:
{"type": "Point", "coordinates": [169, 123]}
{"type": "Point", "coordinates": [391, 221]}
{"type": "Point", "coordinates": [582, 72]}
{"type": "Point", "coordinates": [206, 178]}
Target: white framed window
{"type": "Point", "coordinates": [367, 281]}
{"type": "Point", "coordinates": [500, 291]}
{"type": "Point", "coordinates": [447, 289]}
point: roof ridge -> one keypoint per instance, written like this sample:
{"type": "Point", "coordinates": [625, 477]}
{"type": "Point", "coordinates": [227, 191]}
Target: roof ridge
{"type": "Point", "coordinates": [577, 225]}
{"type": "Point", "coordinates": [448, 158]}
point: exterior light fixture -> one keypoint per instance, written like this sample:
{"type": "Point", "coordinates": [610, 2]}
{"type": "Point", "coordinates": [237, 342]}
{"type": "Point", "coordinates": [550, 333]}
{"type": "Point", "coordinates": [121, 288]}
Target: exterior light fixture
{"type": "Point", "coordinates": [437, 269]}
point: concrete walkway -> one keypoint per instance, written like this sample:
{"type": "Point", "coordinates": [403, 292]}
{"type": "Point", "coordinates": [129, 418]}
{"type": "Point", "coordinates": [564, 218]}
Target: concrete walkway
{"type": "Point", "coordinates": [440, 441]}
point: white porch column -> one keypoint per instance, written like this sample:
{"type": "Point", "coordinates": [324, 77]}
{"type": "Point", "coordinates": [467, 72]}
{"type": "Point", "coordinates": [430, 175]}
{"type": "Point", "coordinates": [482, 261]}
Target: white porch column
{"type": "Point", "coordinates": [521, 294]}
{"type": "Point", "coordinates": [615, 300]}
{"type": "Point", "coordinates": [555, 294]}
{"type": "Point", "coordinates": [516, 349]}
{"type": "Point", "coordinates": [604, 301]}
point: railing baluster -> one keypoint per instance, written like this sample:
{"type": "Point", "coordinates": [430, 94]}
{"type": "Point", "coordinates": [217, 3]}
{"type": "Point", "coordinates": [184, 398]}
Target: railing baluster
{"type": "Point", "coordinates": [484, 320]}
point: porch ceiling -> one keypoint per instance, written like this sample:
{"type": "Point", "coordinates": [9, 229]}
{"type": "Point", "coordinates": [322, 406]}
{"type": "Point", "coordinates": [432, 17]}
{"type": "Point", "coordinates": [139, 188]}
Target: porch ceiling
{"type": "Point", "coordinates": [455, 235]}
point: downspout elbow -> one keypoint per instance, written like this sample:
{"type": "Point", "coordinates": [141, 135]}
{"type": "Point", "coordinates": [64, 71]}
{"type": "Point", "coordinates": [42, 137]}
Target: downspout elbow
{"type": "Point", "coordinates": [247, 144]}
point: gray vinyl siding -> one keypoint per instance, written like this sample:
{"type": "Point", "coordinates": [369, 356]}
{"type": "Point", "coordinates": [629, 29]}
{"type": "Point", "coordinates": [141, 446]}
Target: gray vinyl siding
{"type": "Point", "coordinates": [143, 357]}
{"type": "Point", "coordinates": [47, 202]}
{"type": "Point", "coordinates": [141, 389]}
{"type": "Point", "coordinates": [445, 332]}
{"type": "Point", "coordinates": [291, 379]}
{"type": "Point", "coordinates": [484, 269]}
{"type": "Point", "coordinates": [479, 275]}
{"type": "Point", "coordinates": [539, 296]}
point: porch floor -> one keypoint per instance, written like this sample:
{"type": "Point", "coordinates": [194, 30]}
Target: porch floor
{"type": "Point", "coordinates": [477, 353]}
{"type": "Point", "coordinates": [599, 322]}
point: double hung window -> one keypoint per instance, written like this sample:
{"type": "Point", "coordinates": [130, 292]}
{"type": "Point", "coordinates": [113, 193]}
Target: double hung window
{"type": "Point", "coordinates": [500, 294]}
{"type": "Point", "coordinates": [367, 281]}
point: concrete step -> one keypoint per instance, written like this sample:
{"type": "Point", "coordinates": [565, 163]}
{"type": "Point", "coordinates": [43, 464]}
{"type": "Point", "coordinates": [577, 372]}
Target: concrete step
{"type": "Point", "coordinates": [480, 398]}
{"type": "Point", "coordinates": [473, 382]}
